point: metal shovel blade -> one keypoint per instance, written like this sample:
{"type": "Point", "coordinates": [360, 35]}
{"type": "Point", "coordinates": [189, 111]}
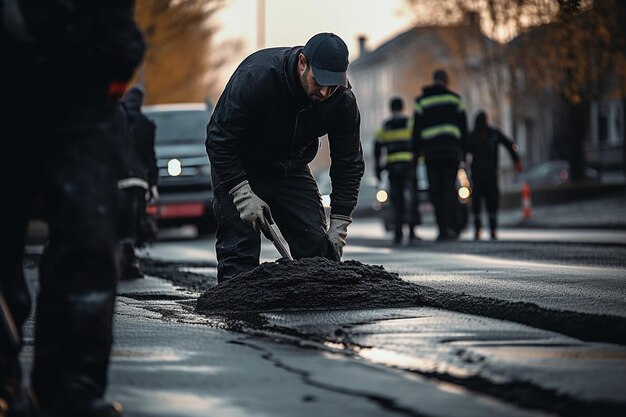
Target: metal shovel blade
{"type": "Point", "coordinates": [8, 330]}
{"type": "Point", "coordinates": [272, 232]}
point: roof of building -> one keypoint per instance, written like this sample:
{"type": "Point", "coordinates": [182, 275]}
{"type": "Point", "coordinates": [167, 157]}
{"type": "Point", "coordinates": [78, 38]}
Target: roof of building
{"type": "Point", "coordinates": [403, 40]}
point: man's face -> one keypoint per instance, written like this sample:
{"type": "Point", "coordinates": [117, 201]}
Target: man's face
{"type": "Point", "coordinates": [313, 90]}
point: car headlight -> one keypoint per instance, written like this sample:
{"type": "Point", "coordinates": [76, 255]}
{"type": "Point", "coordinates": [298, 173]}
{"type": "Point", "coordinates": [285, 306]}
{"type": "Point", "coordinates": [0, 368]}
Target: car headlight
{"type": "Point", "coordinates": [174, 167]}
{"type": "Point", "coordinates": [381, 196]}
{"type": "Point", "coordinates": [464, 192]}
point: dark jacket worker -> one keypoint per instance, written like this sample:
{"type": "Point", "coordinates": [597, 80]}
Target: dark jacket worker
{"type": "Point", "coordinates": [262, 135]}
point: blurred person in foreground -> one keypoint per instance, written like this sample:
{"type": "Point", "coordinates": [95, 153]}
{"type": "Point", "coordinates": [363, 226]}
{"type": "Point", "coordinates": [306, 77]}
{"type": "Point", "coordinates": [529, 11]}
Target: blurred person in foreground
{"type": "Point", "coordinates": [394, 138]}
{"type": "Point", "coordinates": [67, 62]}
{"type": "Point", "coordinates": [262, 135]}
{"type": "Point", "coordinates": [139, 186]}
{"type": "Point", "coordinates": [440, 133]}
{"type": "Point", "coordinates": [484, 144]}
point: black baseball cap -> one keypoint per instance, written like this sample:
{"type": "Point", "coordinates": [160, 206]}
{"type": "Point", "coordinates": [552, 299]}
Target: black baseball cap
{"type": "Point", "coordinates": [327, 54]}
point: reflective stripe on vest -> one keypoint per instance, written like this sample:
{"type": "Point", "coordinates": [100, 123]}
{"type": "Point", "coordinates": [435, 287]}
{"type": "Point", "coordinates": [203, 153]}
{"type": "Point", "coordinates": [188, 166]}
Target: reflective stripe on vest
{"type": "Point", "coordinates": [440, 100]}
{"type": "Point", "coordinates": [395, 135]}
{"type": "Point", "coordinates": [399, 157]}
{"type": "Point", "coordinates": [132, 182]}
{"type": "Point", "coordinates": [447, 129]}
{"type": "Point", "coordinates": [397, 142]}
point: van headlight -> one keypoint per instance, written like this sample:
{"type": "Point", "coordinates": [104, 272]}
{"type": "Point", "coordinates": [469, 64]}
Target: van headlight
{"type": "Point", "coordinates": [174, 167]}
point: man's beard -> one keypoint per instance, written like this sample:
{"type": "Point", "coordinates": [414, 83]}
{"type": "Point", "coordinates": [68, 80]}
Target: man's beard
{"type": "Point", "coordinates": [303, 82]}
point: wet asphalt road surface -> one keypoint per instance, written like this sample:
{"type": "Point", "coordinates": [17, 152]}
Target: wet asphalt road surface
{"type": "Point", "coordinates": [518, 327]}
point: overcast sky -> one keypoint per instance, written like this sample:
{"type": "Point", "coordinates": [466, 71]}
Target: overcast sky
{"type": "Point", "coordinates": [293, 22]}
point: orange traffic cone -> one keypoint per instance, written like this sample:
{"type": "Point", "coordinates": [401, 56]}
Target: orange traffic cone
{"type": "Point", "coordinates": [527, 203]}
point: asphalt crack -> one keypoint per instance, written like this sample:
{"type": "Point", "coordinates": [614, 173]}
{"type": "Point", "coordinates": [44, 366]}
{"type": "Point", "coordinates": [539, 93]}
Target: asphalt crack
{"type": "Point", "coordinates": [385, 403]}
{"type": "Point", "coordinates": [583, 326]}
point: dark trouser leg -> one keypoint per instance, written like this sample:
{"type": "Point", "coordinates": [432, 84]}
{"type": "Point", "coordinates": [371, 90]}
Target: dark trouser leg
{"type": "Point", "coordinates": [146, 233]}
{"type": "Point", "coordinates": [492, 195]}
{"type": "Point", "coordinates": [450, 168]}
{"type": "Point", "coordinates": [129, 266]}
{"type": "Point", "coordinates": [296, 208]}
{"type": "Point", "coordinates": [397, 184]}
{"type": "Point", "coordinates": [413, 208]}
{"type": "Point", "coordinates": [20, 187]}
{"type": "Point", "coordinates": [477, 197]}
{"type": "Point", "coordinates": [435, 192]}
{"type": "Point", "coordinates": [78, 271]}
{"type": "Point", "coordinates": [134, 209]}
{"type": "Point", "coordinates": [493, 224]}
{"type": "Point", "coordinates": [17, 302]}
{"type": "Point", "coordinates": [237, 245]}
{"type": "Point", "coordinates": [441, 178]}
{"type": "Point", "coordinates": [15, 309]}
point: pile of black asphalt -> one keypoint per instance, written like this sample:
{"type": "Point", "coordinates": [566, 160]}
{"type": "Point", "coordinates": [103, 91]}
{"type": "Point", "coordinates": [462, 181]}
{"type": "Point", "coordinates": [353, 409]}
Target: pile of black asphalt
{"type": "Point", "coordinates": [310, 284]}
{"type": "Point", "coordinates": [322, 284]}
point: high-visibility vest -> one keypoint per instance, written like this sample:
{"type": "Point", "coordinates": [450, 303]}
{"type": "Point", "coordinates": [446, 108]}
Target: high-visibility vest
{"type": "Point", "coordinates": [439, 101]}
{"type": "Point", "coordinates": [395, 137]}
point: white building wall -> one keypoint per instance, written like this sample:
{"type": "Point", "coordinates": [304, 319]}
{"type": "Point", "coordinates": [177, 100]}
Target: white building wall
{"type": "Point", "coordinates": [372, 88]}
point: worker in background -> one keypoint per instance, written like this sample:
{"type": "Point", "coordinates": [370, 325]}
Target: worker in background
{"type": "Point", "coordinates": [140, 184]}
{"type": "Point", "coordinates": [394, 140]}
{"type": "Point", "coordinates": [440, 133]}
{"type": "Point", "coordinates": [260, 139]}
{"type": "Point", "coordinates": [484, 145]}
{"type": "Point", "coordinates": [67, 63]}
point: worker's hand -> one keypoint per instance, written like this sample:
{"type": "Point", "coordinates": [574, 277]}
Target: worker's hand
{"type": "Point", "coordinates": [518, 166]}
{"type": "Point", "coordinates": [251, 208]}
{"type": "Point", "coordinates": [338, 231]}
{"type": "Point", "coordinates": [154, 193]}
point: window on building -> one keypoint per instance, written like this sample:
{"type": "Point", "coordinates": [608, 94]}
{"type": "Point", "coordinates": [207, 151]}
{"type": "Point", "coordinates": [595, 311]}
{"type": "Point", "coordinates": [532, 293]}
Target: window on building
{"type": "Point", "coordinates": [522, 135]}
{"type": "Point", "coordinates": [617, 124]}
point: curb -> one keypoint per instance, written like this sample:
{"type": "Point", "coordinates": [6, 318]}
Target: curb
{"type": "Point", "coordinates": [543, 196]}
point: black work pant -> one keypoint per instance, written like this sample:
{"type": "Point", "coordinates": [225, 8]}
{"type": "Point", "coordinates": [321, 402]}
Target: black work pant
{"type": "Point", "coordinates": [296, 207]}
{"type": "Point", "coordinates": [68, 156]}
{"type": "Point", "coordinates": [485, 187]}
{"type": "Point", "coordinates": [133, 202]}
{"type": "Point", "coordinates": [403, 196]}
{"type": "Point", "coordinates": [132, 218]}
{"type": "Point", "coordinates": [442, 192]}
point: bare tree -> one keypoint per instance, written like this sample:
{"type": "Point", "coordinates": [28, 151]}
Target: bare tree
{"type": "Point", "coordinates": [572, 50]}
{"type": "Point", "coordinates": [181, 62]}
{"type": "Point", "coordinates": [577, 58]}
{"type": "Point", "coordinates": [500, 20]}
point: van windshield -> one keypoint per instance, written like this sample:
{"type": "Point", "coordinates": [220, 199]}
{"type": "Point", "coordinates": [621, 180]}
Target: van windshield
{"type": "Point", "coordinates": [186, 125]}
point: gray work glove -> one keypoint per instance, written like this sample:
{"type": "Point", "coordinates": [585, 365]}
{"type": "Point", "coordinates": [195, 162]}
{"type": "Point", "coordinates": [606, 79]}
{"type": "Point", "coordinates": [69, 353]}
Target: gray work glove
{"type": "Point", "coordinates": [250, 207]}
{"type": "Point", "coordinates": [338, 231]}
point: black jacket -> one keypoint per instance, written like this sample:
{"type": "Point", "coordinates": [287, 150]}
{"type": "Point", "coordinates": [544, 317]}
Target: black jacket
{"type": "Point", "coordinates": [265, 123]}
{"type": "Point", "coordinates": [73, 47]}
{"type": "Point", "coordinates": [484, 150]}
{"type": "Point", "coordinates": [440, 124]}
{"type": "Point", "coordinates": [142, 131]}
